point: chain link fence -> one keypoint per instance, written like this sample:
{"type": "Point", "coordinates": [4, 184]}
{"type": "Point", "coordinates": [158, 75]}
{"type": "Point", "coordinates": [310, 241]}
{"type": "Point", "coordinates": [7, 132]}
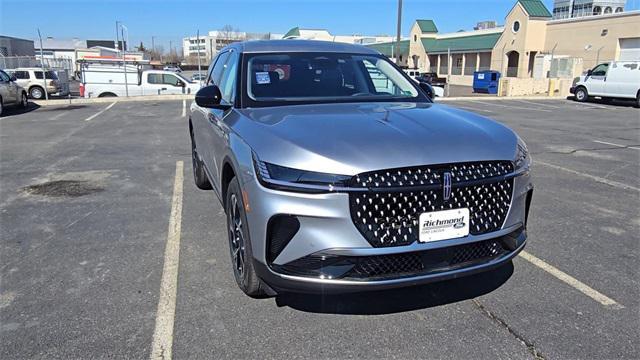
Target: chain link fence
{"type": "Point", "coordinates": [13, 62]}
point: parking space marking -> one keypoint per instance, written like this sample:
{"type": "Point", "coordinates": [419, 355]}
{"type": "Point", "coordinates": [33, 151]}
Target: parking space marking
{"type": "Point", "coordinates": [163, 333]}
{"type": "Point", "coordinates": [571, 281]}
{"type": "Point", "coordinates": [100, 112]}
{"type": "Point", "coordinates": [184, 108]}
{"type": "Point", "coordinates": [537, 104]}
{"type": "Point", "coordinates": [471, 109]}
{"type": "Point", "coordinates": [617, 145]}
{"type": "Point", "coordinates": [58, 116]}
{"type": "Point", "coordinates": [589, 176]}
{"type": "Point", "coordinates": [493, 103]}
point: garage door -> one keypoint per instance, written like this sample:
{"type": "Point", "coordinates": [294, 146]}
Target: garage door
{"type": "Point", "coordinates": [630, 49]}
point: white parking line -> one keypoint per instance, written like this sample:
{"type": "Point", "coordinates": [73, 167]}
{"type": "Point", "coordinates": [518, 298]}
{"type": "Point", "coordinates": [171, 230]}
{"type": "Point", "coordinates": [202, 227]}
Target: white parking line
{"type": "Point", "coordinates": [184, 108]}
{"type": "Point", "coordinates": [100, 112]}
{"type": "Point", "coordinates": [537, 104]}
{"type": "Point", "coordinates": [163, 333]}
{"type": "Point", "coordinates": [571, 281]}
{"type": "Point", "coordinates": [618, 145]}
{"type": "Point", "coordinates": [508, 106]}
{"type": "Point", "coordinates": [58, 116]}
{"type": "Point", "coordinates": [592, 177]}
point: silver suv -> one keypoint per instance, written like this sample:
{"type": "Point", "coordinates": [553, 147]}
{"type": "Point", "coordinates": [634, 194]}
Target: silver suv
{"type": "Point", "coordinates": [338, 173]}
{"type": "Point", "coordinates": [11, 93]}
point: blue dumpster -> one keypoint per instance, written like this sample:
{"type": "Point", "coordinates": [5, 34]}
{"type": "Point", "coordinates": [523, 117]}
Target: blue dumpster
{"type": "Point", "coordinates": [486, 81]}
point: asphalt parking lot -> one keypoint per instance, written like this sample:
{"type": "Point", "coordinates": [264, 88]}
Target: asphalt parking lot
{"type": "Point", "coordinates": [90, 194]}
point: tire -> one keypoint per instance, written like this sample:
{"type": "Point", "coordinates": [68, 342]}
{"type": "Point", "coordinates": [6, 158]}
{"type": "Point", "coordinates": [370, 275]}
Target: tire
{"type": "Point", "coordinates": [1, 106]}
{"type": "Point", "coordinates": [638, 99]}
{"type": "Point", "coordinates": [199, 175]}
{"type": "Point", "coordinates": [24, 102]}
{"type": "Point", "coordinates": [36, 92]}
{"type": "Point", "coordinates": [581, 94]}
{"type": "Point", "coordinates": [240, 243]}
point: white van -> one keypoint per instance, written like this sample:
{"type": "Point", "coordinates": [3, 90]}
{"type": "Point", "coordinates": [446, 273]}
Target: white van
{"type": "Point", "coordinates": [616, 79]}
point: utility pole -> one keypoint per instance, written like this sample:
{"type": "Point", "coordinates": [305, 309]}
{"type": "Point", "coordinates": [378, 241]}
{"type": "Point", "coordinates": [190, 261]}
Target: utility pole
{"type": "Point", "coordinates": [398, 32]}
{"type": "Point", "coordinates": [153, 46]}
{"type": "Point", "coordinates": [117, 36]}
{"type": "Point", "coordinates": [44, 75]}
{"type": "Point", "coordinates": [124, 65]}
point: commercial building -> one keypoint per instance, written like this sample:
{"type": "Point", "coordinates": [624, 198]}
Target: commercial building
{"type": "Point", "coordinates": [208, 45]}
{"type": "Point", "coordinates": [564, 9]}
{"type": "Point", "coordinates": [529, 40]}
{"type": "Point", "coordinates": [12, 46]}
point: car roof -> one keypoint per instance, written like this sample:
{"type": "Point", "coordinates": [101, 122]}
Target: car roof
{"type": "Point", "coordinates": [292, 45]}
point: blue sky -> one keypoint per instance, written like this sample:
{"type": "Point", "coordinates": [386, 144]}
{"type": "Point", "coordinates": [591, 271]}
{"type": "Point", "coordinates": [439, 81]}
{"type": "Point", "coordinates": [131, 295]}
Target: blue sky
{"type": "Point", "coordinates": [173, 20]}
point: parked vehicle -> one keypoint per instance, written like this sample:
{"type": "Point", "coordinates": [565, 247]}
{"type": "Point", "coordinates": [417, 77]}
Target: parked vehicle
{"type": "Point", "coordinates": [11, 93]}
{"type": "Point", "coordinates": [432, 78]}
{"type": "Point", "coordinates": [198, 77]}
{"type": "Point", "coordinates": [172, 68]}
{"type": "Point", "coordinates": [32, 80]}
{"type": "Point", "coordinates": [105, 79]}
{"type": "Point", "coordinates": [332, 181]}
{"type": "Point", "coordinates": [612, 80]}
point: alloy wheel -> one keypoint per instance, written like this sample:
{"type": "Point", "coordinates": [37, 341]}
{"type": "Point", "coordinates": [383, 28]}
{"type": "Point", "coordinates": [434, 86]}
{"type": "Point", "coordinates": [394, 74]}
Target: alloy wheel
{"type": "Point", "coordinates": [236, 237]}
{"type": "Point", "coordinates": [581, 95]}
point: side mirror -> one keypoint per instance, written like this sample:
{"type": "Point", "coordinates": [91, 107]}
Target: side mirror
{"type": "Point", "coordinates": [13, 78]}
{"type": "Point", "coordinates": [210, 97]}
{"type": "Point", "coordinates": [426, 87]}
{"type": "Point", "coordinates": [589, 72]}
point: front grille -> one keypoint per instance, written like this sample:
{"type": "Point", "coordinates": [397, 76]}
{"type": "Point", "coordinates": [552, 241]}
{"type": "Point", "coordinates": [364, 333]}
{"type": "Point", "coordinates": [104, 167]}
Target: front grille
{"type": "Point", "coordinates": [388, 214]}
{"type": "Point", "coordinates": [381, 267]}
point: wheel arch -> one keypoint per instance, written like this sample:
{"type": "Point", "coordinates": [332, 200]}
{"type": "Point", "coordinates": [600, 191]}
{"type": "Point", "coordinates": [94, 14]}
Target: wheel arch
{"type": "Point", "coordinates": [228, 173]}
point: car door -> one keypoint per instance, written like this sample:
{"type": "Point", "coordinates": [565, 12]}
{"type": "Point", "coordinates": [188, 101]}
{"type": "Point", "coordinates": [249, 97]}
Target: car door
{"type": "Point", "coordinates": [201, 119]}
{"type": "Point", "coordinates": [155, 84]}
{"type": "Point", "coordinates": [8, 89]}
{"type": "Point", "coordinates": [173, 84]}
{"type": "Point", "coordinates": [596, 81]}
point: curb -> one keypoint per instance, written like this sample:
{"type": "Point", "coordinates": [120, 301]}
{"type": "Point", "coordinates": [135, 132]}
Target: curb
{"type": "Point", "coordinates": [62, 102]}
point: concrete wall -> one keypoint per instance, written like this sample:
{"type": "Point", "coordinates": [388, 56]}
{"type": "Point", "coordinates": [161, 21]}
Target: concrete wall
{"type": "Point", "coordinates": [573, 37]}
{"type": "Point", "coordinates": [16, 47]}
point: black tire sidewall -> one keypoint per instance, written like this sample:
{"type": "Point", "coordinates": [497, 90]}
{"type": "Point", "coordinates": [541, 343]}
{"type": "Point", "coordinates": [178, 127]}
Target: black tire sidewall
{"type": "Point", "coordinates": [24, 100]}
{"type": "Point", "coordinates": [249, 283]}
{"type": "Point", "coordinates": [199, 175]}
{"type": "Point", "coordinates": [39, 89]}
{"type": "Point", "coordinates": [586, 95]}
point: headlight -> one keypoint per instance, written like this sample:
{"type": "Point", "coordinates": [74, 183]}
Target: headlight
{"type": "Point", "coordinates": [284, 178]}
{"type": "Point", "coordinates": [523, 159]}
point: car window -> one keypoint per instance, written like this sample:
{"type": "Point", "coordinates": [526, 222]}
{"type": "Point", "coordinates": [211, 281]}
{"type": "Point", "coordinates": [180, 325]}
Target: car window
{"type": "Point", "coordinates": [49, 74]}
{"type": "Point", "coordinates": [170, 79]}
{"type": "Point", "coordinates": [19, 74]}
{"type": "Point", "coordinates": [228, 79]}
{"type": "Point", "coordinates": [214, 77]}
{"type": "Point", "coordinates": [600, 70]}
{"type": "Point", "coordinates": [154, 78]}
{"type": "Point", "coordinates": [4, 77]}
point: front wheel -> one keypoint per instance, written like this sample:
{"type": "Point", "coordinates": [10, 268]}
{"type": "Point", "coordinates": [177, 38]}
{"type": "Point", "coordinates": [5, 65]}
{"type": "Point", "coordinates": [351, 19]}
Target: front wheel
{"type": "Point", "coordinates": [638, 99]}
{"type": "Point", "coordinates": [581, 94]}
{"type": "Point", "coordinates": [240, 243]}
{"type": "Point", "coordinates": [199, 176]}
{"type": "Point", "coordinates": [1, 107]}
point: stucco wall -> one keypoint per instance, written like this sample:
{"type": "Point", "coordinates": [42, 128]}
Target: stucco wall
{"type": "Point", "coordinates": [572, 38]}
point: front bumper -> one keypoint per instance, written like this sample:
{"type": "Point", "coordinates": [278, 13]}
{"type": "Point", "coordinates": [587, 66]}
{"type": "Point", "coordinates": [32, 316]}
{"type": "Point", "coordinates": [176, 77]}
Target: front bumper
{"type": "Point", "coordinates": [326, 229]}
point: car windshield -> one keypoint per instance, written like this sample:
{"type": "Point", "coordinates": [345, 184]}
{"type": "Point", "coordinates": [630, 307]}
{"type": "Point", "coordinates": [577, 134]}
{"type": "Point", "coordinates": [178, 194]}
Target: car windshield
{"type": "Point", "coordinates": [317, 77]}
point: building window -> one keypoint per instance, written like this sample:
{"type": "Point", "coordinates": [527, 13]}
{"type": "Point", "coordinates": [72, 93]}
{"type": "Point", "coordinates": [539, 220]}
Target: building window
{"type": "Point", "coordinates": [415, 37]}
{"type": "Point", "coordinates": [516, 26]}
{"type": "Point", "coordinates": [608, 10]}
{"type": "Point", "coordinates": [597, 10]}
{"type": "Point", "coordinates": [619, 10]}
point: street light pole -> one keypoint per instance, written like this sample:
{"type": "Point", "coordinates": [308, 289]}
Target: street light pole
{"type": "Point", "coordinates": [198, 47]}
{"type": "Point", "coordinates": [124, 63]}
{"type": "Point", "coordinates": [117, 36]}
{"type": "Point", "coordinates": [44, 75]}
{"type": "Point", "coordinates": [398, 32]}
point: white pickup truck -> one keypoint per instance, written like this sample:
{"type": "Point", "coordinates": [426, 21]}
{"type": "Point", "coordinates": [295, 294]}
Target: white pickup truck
{"type": "Point", "coordinates": [102, 80]}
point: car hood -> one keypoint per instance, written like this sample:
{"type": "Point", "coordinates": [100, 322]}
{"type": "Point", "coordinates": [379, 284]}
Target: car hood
{"type": "Point", "coordinates": [352, 138]}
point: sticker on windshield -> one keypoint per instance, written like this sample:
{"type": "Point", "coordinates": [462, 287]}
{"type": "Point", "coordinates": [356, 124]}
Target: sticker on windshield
{"type": "Point", "coordinates": [262, 77]}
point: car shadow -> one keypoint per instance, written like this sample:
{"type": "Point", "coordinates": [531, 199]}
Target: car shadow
{"type": "Point", "coordinates": [617, 102]}
{"type": "Point", "coordinates": [400, 300]}
{"type": "Point", "coordinates": [17, 110]}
